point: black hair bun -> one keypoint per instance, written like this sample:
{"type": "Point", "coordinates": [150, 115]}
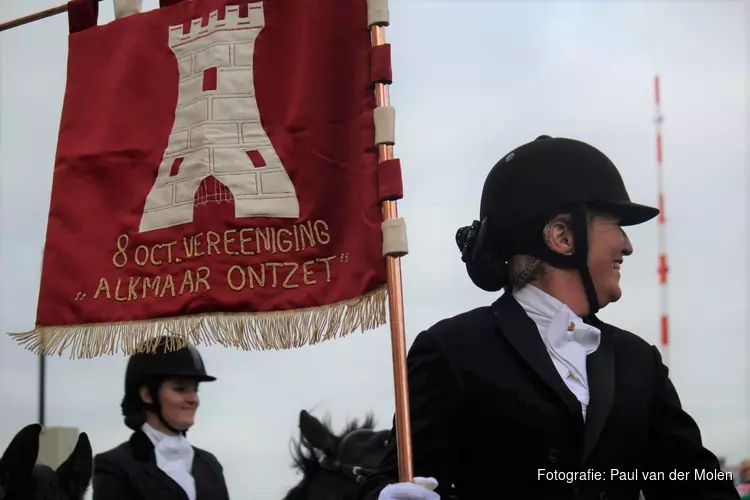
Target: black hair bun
{"type": "Point", "coordinates": [486, 270]}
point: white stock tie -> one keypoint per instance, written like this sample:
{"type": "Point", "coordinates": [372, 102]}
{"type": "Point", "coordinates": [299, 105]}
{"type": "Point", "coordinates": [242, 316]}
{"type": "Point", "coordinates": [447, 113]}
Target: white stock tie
{"type": "Point", "coordinates": [174, 456]}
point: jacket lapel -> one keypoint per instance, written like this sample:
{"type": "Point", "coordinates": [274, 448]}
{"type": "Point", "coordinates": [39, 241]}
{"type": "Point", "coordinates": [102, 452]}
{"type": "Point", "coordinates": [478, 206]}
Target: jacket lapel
{"type": "Point", "coordinates": [600, 366]}
{"type": "Point", "coordinates": [143, 451]}
{"type": "Point", "coordinates": [205, 483]}
{"type": "Point", "coordinates": [523, 335]}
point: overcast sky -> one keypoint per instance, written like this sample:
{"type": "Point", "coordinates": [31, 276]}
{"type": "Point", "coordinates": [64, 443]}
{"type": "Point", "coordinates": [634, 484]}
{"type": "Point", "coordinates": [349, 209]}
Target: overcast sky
{"type": "Point", "coordinates": [472, 81]}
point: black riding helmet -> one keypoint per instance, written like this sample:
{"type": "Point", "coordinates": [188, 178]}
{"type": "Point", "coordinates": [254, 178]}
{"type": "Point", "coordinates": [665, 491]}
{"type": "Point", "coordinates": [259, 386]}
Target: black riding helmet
{"type": "Point", "coordinates": [522, 193]}
{"type": "Point", "coordinates": [151, 367]}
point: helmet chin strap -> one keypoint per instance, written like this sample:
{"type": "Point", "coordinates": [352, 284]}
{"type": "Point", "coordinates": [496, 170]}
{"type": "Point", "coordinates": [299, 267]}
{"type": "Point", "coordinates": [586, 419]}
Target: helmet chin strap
{"type": "Point", "coordinates": [578, 260]}
{"type": "Point", "coordinates": [580, 233]}
{"type": "Point", "coordinates": [166, 424]}
{"type": "Point", "coordinates": [155, 408]}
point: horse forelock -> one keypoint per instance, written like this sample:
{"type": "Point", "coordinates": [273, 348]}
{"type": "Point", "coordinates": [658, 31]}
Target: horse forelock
{"type": "Point", "coordinates": [305, 455]}
{"type": "Point", "coordinates": [45, 484]}
{"type": "Point", "coordinates": [367, 424]}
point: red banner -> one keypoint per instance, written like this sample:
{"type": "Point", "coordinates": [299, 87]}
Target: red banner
{"type": "Point", "coordinates": [215, 178]}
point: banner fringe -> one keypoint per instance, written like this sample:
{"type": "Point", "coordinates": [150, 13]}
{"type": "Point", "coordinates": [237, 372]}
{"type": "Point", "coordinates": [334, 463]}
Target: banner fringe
{"type": "Point", "coordinates": [273, 330]}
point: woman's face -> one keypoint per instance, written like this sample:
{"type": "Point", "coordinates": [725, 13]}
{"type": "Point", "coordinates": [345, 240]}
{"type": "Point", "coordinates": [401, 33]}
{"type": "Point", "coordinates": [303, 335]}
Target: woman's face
{"type": "Point", "coordinates": [179, 402]}
{"type": "Point", "coordinates": [608, 245]}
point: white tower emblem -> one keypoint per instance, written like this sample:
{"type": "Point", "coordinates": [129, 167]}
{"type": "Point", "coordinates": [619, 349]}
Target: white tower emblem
{"type": "Point", "coordinates": [217, 130]}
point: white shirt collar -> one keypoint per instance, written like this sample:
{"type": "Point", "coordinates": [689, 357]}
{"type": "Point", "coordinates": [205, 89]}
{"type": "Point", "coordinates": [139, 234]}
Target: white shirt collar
{"type": "Point", "coordinates": [557, 323]}
{"type": "Point", "coordinates": [168, 446]}
{"type": "Point", "coordinates": [156, 436]}
{"type": "Point", "coordinates": [174, 455]}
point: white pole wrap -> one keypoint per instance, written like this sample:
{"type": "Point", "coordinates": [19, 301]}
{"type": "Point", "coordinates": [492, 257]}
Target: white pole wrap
{"type": "Point", "coordinates": [394, 238]}
{"type": "Point", "coordinates": [377, 13]}
{"type": "Point", "coordinates": [124, 8]}
{"type": "Point", "coordinates": [385, 125]}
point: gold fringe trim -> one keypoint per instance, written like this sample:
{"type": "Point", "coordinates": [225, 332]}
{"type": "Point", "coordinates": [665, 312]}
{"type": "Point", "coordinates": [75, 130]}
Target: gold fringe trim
{"type": "Point", "coordinates": [247, 331]}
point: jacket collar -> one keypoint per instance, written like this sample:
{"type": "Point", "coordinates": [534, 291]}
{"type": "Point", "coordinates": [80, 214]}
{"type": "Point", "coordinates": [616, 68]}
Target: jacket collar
{"type": "Point", "coordinates": [523, 335]}
{"type": "Point", "coordinates": [143, 452]}
{"type": "Point", "coordinates": [143, 448]}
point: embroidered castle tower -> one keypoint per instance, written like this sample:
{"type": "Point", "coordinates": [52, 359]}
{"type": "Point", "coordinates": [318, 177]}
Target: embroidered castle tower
{"type": "Point", "coordinates": [217, 130]}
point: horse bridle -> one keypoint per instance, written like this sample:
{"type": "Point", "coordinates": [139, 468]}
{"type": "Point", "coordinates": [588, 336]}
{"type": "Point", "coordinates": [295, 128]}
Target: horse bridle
{"type": "Point", "coordinates": [354, 472]}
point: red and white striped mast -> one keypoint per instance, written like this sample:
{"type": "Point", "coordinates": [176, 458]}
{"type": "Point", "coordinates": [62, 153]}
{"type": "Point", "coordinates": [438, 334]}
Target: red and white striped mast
{"type": "Point", "coordinates": [662, 238]}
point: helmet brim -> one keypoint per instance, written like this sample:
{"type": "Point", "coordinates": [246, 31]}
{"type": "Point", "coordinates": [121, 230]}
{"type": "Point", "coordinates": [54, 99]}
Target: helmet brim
{"type": "Point", "coordinates": [631, 214]}
{"type": "Point", "coordinates": [191, 375]}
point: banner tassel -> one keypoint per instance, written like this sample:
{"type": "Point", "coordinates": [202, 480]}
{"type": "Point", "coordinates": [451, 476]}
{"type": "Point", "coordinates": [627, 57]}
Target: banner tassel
{"type": "Point", "coordinates": [275, 330]}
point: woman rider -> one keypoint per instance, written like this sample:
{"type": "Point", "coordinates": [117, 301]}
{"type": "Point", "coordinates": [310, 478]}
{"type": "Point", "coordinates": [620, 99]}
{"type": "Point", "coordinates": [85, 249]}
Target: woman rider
{"type": "Point", "coordinates": [158, 462]}
{"type": "Point", "coordinates": [534, 397]}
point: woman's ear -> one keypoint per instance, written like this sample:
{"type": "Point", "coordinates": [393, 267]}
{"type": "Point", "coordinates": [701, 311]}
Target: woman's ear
{"type": "Point", "coordinates": [559, 237]}
{"type": "Point", "coordinates": [145, 395]}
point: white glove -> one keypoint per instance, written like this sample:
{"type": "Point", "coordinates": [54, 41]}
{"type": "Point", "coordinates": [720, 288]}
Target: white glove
{"type": "Point", "coordinates": [420, 489]}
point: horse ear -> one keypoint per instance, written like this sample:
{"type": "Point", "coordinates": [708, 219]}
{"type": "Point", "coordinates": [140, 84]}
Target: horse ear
{"type": "Point", "coordinates": [316, 433]}
{"type": "Point", "coordinates": [74, 474]}
{"type": "Point", "coordinates": [19, 458]}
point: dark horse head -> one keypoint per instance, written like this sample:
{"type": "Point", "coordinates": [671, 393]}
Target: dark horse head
{"type": "Point", "coordinates": [334, 466]}
{"type": "Point", "coordinates": [21, 478]}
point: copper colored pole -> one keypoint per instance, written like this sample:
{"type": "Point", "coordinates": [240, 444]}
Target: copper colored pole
{"type": "Point", "coordinates": [396, 307]}
{"type": "Point", "coordinates": [42, 14]}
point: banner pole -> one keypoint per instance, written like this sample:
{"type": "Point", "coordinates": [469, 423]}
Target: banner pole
{"type": "Point", "coordinates": [42, 389]}
{"type": "Point", "coordinates": [395, 305]}
{"type": "Point", "coordinates": [36, 16]}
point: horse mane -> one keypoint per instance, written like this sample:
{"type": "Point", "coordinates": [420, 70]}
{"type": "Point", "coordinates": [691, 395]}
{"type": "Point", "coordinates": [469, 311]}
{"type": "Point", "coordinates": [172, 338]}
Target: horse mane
{"type": "Point", "coordinates": [305, 457]}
